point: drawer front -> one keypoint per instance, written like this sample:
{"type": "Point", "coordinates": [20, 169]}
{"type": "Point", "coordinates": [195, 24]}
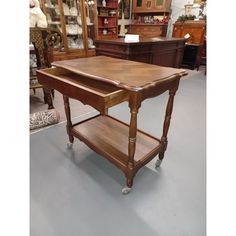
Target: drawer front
{"type": "Point", "coordinates": [95, 93]}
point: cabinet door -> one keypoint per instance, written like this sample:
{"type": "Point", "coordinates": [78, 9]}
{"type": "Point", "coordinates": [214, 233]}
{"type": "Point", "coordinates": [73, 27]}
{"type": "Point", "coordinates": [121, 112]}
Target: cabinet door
{"type": "Point", "coordinates": [75, 20]}
{"type": "Point", "coordinates": [53, 14]}
{"type": "Point", "coordinates": [137, 5]}
{"type": "Point", "coordinates": [90, 23]}
{"type": "Point", "coordinates": [151, 6]}
{"type": "Point", "coordinates": [73, 23]}
{"type": "Point", "coordinates": [161, 5]}
{"type": "Point", "coordinates": [142, 5]}
{"type": "Point", "coordinates": [177, 31]}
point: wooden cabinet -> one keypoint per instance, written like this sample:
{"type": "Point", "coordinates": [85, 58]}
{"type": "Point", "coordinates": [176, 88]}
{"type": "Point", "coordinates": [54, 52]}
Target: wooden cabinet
{"type": "Point", "coordinates": [151, 6]}
{"type": "Point", "coordinates": [159, 51]}
{"type": "Point", "coordinates": [107, 19]}
{"type": "Point", "coordinates": [150, 17]}
{"type": "Point", "coordinates": [161, 5]}
{"type": "Point", "coordinates": [196, 30]}
{"type": "Point", "coordinates": [195, 42]}
{"type": "Point", "coordinates": [75, 20]}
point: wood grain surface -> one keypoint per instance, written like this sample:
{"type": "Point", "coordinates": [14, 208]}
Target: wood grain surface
{"type": "Point", "coordinates": [125, 74]}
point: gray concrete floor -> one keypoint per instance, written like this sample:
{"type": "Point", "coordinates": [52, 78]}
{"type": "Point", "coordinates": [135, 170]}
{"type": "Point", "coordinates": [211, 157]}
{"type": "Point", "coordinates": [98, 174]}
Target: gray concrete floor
{"type": "Point", "coordinates": [77, 192]}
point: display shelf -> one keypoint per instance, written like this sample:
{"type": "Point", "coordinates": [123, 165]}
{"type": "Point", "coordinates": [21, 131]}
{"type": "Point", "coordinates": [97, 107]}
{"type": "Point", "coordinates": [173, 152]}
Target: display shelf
{"type": "Point", "coordinates": [106, 27]}
{"type": "Point", "coordinates": [54, 22]}
{"type": "Point", "coordinates": [48, 7]}
{"type": "Point", "coordinates": [107, 16]}
{"type": "Point", "coordinates": [107, 19]}
{"type": "Point", "coordinates": [107, 7]}
{"type": "Point", "coordinates": [146, 13]}
{"type": "Point", "coordinates": [102, 133]}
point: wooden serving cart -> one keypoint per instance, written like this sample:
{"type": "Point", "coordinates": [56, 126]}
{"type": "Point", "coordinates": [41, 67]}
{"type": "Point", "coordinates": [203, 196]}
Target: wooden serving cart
{"type": "Point", "coordinates": [103, 82]}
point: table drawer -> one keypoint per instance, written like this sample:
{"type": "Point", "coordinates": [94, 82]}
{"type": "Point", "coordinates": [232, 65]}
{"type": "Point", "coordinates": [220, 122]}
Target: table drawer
{"type": "Point", "coordinates": [95, 93]}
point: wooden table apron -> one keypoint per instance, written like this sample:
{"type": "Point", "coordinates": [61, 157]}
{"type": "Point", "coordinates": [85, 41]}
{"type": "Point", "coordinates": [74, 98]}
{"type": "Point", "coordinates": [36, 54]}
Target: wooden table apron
{"type": "Point", "coordinates": [103, 82]}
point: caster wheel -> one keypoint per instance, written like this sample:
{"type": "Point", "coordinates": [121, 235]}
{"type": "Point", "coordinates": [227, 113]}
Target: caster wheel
{"type": "Point", "coordinates": [158, 163]}
{"type": "Point", "coordinates": [126, 190]}
{"type": "Point", "coordinates": [69, 145]}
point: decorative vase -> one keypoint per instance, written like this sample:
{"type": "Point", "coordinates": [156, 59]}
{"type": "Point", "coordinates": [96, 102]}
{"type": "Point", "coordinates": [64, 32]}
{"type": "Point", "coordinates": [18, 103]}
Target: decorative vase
{"type": "Point", "coordinates": [122, 26]}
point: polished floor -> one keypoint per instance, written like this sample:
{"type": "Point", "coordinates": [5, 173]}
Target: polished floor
{"type": "Point", "coordinates": [77, 192]}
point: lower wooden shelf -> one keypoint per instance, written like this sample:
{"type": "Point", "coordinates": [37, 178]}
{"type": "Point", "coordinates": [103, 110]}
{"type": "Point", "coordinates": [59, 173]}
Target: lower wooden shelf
{"type": "Point", "coordinates": [109, 137]}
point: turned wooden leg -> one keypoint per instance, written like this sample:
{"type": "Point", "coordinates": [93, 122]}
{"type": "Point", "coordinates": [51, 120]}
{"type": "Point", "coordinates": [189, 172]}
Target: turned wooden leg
{"type": "Point", "coordinates": [166, 125]}
{"type": "Point", "coordinates": [160, 158]}
{"type": "Point", "coordinates": [68, 118]}
{"type": "Point", "coordinates": [48, 97]}
{"type": "Point", "coordinates": [129, 182]}
{"type": "Point", "coordinates": [134, 104]}
{"type": "Point", "coordinates": [53, 93]}
{"type": "Point", "coordinates": [44, 96]}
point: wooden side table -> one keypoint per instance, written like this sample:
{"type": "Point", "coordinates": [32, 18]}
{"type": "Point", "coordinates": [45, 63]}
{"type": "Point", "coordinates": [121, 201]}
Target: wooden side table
{"type": "Point", "coordinates": [103, 82]}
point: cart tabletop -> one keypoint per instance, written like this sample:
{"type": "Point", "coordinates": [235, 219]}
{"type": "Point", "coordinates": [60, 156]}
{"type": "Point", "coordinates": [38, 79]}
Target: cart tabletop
{"type": "Point", "coordinates": [130, 75]}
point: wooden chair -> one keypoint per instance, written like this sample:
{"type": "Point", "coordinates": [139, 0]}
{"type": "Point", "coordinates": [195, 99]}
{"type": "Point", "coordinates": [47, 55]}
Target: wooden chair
{"type": "Point", "coordinates": [45, 40]}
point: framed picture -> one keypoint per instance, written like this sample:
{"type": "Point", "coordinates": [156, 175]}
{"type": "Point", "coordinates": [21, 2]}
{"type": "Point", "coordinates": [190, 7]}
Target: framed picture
{"type": "Point", "coordinates": [124, 4]}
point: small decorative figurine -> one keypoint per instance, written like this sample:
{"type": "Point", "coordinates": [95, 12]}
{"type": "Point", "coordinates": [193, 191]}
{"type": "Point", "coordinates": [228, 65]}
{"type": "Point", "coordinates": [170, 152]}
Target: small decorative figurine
{"type": "Point", "coordinates": [105, 21]}
{"type": "Point", "coordinates": [104, 3]}
{"type": "Point", "coordinates": [37, 17]}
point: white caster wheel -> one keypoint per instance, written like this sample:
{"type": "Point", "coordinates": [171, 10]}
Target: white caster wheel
{"type": "Point", "coordinates": [69, 145]}
{"type": "Point", "coordinates": [158, 163]}
{"type": "Point", "coordinates": [126, 190]}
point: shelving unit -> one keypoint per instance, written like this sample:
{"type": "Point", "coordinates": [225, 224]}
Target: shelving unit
{"type": "Point", "coordinates": [107, 19]}
{"type": "Point", "coordinates": [75, 20]}
{"type": "Point", "coordinates": [150, 17]}
{"type": "Point", "coordinates": [98, 132]}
